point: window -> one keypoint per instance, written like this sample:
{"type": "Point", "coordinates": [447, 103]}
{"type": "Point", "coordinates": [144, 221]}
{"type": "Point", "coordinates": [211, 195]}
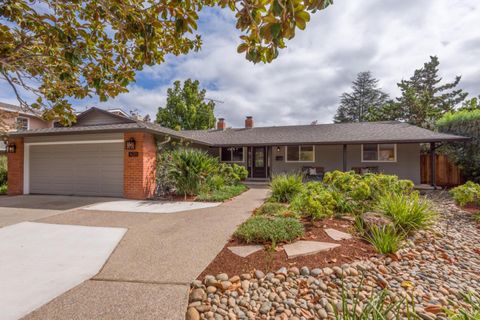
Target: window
{"type": "Point", "coordinates": [232, 154]}
{"type": "Point", "coordinates": [300, 154]}
{"type": "Point", "coordinates": [379, 152]}
{"type": "Point", "coordinates": [22, 123]}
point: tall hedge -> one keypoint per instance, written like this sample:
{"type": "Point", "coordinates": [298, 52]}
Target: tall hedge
{"type": "Point", "coordinates": [3, 170]}
{"type": "Point", "coordinates": [465, 154]}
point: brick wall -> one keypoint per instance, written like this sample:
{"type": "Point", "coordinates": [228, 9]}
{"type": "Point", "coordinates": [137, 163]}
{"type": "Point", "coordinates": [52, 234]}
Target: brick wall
{"type": "Point", "coordinates": [139, 171]}
{"type": "Point", "coordinates": [15, 168]}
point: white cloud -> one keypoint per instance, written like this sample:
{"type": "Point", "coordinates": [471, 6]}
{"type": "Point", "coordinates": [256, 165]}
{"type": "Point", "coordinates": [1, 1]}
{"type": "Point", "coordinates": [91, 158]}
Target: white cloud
{"type": "Point", "coordinates": [388, 37]}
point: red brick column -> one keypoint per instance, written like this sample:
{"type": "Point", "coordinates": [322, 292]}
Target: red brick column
{"type": "Point", "coordinates": [140, 167]}
{"type": "Point", "coordinates": [15, 168]}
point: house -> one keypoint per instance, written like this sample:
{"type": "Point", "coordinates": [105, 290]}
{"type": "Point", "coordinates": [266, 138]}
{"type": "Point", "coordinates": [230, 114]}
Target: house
{"type": "Point", "coordinates": [105, 154]}
{"type": "Point", "coordinates": [15, 118]}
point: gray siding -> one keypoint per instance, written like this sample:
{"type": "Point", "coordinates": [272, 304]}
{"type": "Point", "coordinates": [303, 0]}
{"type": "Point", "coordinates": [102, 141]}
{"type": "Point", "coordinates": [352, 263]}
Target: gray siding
{"type": "Point", "coordinates": [331, 158]}
{"type": "Point", "coordinates": [95, 118]}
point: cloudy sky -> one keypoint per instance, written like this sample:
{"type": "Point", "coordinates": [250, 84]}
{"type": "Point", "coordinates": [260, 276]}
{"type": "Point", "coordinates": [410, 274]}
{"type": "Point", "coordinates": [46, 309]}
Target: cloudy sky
{"type": "Point", "coordinates": [388, 37]}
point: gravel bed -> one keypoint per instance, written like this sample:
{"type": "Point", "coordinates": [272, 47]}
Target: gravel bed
{"type": "Point", "coordinates": [435, 267]}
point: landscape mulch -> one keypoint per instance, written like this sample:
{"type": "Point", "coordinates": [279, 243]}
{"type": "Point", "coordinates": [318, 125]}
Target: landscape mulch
{"type": "Point", "coordinates": [268, 260]}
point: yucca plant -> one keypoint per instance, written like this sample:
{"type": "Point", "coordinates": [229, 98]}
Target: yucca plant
{"type": "Point", "coordinates": [385, 239]}
{"type": "Point", "coordinates": [286, 186]}
{"type": "Point", "coordinates": [189, 170]}
{"type": "Point", "coordinates": [408, 212]}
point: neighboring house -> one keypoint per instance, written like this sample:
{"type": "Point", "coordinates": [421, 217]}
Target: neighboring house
{"type": "Point", "coordinates": [105, 154]}
{"type": "Point", "coordinates": [15, 118]}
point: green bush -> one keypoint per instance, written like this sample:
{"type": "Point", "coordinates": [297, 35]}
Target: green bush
{"type": "Point", "coordinates": [274, 209]}
{"type": "Point", "coordinates": [381, 184]}
{"type": "Point", "coordinates": [3, 170]}
{"type": "Point", "coordinates": [385, 239]}
{"type": "Point", "coordinates": [408, 212]}
{"type": "Point", "coordinates": [265, 230]}
{"type": "Point", "coordinates": [3, 189]}
{"type": "Point", "coordinates": [314, 201]}
{"type": "Point", "coordinates": [233, 173]}
{"type": "Point", "coordinates": [222, 193]}
{"type": "Point", "coordinates": [465, 154]}
{"type": "Point", "coordinates": [285, 187]}
{"type": "Point", "coordinates": [468, 193]}
{"type": "Point", "coordinates": [189, 170]}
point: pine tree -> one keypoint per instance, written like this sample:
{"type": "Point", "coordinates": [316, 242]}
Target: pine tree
{"type": "Point", "coordinates": [364, 99]}
{"type": "Point", "coordinates": [424, 99]}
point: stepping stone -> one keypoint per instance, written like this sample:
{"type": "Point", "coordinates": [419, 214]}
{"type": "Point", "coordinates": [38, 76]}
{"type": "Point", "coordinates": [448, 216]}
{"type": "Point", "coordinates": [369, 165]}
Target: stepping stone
{"type": "Point", "coordinates": [245, 251]}
{"type": "Point", "coordinates": [338, 235]}
{"type": "Point", "coordinates": [304, 248]}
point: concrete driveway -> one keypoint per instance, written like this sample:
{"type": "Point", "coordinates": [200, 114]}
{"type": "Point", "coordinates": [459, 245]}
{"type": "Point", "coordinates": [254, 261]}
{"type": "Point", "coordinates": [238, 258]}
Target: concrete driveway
{"type": "Point", "coordinates": [148, 274]}
{"type": "Point", "coordinates": [33, 207]}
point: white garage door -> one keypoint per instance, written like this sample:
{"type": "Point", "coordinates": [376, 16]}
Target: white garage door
{"type": "Point", "coordinates": [91, 169]}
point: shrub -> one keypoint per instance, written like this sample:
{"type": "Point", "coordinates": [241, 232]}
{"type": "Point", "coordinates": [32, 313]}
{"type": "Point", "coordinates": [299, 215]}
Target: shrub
{"type": "Point", "coordinates": [261, 229]}
{"type": "Point", "coordinates": [3, 189]}
{"type": "Point", "coordinates": [286, 186]}
{"type": "Point", "coordinates": [233, 173]}
{"type": "Point", "coordinates": [314, 201]}
{"type": "Point", "coordinates": [189, 170]}
{"type": "Point", "coordinates": [3, 170]}
{"type": "Point", "coordinates": [381, 184]}
{"type": "Point", "coordinates": [465, 154]}
{"type": "Point", "coordinates": [468, 193]}
{"type": "Point", "coordinates": [408, 212]}
{"type": "Point", "coordinates": [273, 209]}
{"type": "Point", "coordinates": [222, 193]}
{"type": "Point", "coordinates": [385, 239]}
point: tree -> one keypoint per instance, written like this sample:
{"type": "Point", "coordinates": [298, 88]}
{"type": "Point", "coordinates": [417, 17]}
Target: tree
{"type": "Point", "coordinates": [423, 98]}
{"type": "Point", "coordinates": [58, 50]}
{"type": "Point", "coordinates": [470, 104]}
{"type": "Point", "coordinates": [364, 99]}
{"type": "Point", "coordinates": [186, 108]}
{"type": "Point", "coordinates": [465, 154]}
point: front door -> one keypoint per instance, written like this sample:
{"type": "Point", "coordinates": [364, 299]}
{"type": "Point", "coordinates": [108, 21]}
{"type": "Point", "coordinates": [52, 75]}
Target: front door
{"type": "Point", "coordinates": [259, 162]}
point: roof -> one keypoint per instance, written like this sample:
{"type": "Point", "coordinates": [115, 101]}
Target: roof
{"type": "Point", "coordinates": [344, 133]}
{"type": "Point", "coordinates": [18, 109]}
{"type": "Point", "coordinates": [341, 133]}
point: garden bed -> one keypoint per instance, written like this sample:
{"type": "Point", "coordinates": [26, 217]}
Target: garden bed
{"type": "Point", "coordinates": [350, 250]}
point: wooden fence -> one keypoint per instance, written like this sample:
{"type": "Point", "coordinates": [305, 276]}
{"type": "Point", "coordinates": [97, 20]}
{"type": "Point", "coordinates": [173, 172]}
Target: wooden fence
{"type": "Point", "coordinates": [447, 174]}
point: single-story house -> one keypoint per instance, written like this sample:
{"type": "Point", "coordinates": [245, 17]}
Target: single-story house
{"type": "Point", "coordinates": [106, 154]}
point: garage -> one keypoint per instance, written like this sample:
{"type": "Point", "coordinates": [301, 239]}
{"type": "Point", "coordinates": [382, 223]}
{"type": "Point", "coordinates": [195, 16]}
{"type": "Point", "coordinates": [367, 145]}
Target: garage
{"type": "Point", "coordinates": [88, 168]}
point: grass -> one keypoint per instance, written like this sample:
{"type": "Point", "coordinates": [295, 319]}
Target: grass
{"type": "Point", "coordinates": [378, 307]}
{"type": "Point", "coordinates": [470, 313]}
{"type": "Point", "coordinates": [384, 239]}
{"type": "Point", "coordinates": [264, 230]}
{"type": "Point", "coordinates": [408, 212]}
{"type": "Point", "coordinates": [222, 194]}
{"type": "Point", "coordinates": [285, 187]}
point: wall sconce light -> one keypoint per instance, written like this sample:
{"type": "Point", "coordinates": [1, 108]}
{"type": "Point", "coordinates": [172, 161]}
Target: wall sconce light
{"type": "Point", "coordinates": [278, 148]}
{"type": "Point", "coordinates": [130, 144]}
{"type": "Point", "coordinates": [11, 148]}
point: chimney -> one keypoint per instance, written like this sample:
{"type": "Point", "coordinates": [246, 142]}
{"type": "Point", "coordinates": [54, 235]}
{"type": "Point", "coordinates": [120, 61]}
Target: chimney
{"type": "Point", "coordinates": [249, 122]}
{"type": "Point", "coordinates": [221, 124]}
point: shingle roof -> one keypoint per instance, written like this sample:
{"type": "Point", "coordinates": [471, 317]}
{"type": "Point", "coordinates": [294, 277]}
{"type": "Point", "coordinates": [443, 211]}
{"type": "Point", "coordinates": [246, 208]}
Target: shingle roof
{"type": "Point", "coordinates": [348, 133]}
{"type": "Point", "coordinates": [17, 109]}
{"type": "Point", "coordinates": [394, 132]}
